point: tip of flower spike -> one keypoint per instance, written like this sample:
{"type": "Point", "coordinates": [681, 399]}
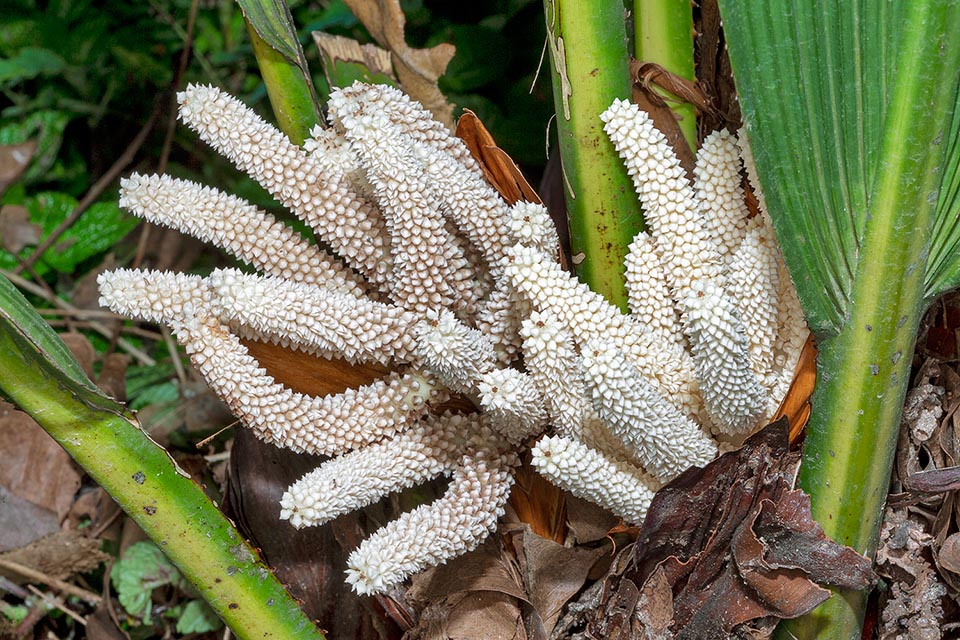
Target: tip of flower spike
{"type": "Point", "coordinates": [155, 296]}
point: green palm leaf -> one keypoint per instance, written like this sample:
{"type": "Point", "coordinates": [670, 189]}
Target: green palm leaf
{"type": "Point", "coordinates": [849, 109]}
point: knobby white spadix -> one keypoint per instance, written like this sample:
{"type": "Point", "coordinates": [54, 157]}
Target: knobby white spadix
{"type": "Point", "coordinates": [429, 272]}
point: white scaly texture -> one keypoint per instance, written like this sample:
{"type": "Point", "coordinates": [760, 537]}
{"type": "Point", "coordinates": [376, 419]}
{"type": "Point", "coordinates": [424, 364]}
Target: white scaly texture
{"type": "Point", "coordinates": [357, 329]}
{"type": "Point", "coordinates": [753, 283]}
{"type": "Point", "coordinates": [717, 183]}
{"type": "Point", "coordinates": [430, 268]}
{"type": "Point", "coordinates": [362, 477]}
{"type": "Point", "coordinates": [641, 417]}
{"type": "Point", "coordinates": [499, 318]}
{"type": "Point", "coordinates": [555, 366]}
{"type": "Point", "coordinates": [413, 119]}
{"type": "Point", "coordinates": [154, 296]}
{"type": "Point", "coordinates": [513, 403]}
{"type": "Point", "coordinates": [792, 334]}
{"type": "Point", "coordinates": [733, 395]}
{"type": "Point", "coordinates": [327, 425]}
{"type": "Point", "coordinates": [457, 354]}
{"type": "Point", "coordinates": [553, 363]}
{"type": "Point", "coordinates": [531, 225]}
{"type": "Point", "coordinates": [731, 391]}
{"type": "Point", "coordinates": [432, 534]}
{"type": "Point", "coordinates": [648, 293]}
{"type": "Point", "coordinates": [589, 316]}
{"type": "Point", "coordinates": [588, 474]}
{"type": "Point", "coordinates": [351, 226]}
{"type": "Point", "coordinates": [247, 232]}
{"type": "Point", "coordinates": [670, 206]}
{"type": "Point", "coordinates": [335, 155]}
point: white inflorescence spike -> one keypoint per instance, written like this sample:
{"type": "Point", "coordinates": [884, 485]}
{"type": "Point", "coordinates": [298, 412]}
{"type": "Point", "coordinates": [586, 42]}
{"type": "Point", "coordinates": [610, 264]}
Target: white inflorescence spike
{"type": "Point", "coordinates": [155, 296]}
{"type": "Point", "coordinates": [362, 477]}
{"type": "Point", "coordinates": [532, 226]}
{"type": "Point", "coordinates": [352, 227]}
{"type": "Point", "coordinates": [753, 283]}
{"type": "Point", "coordinates": [661, 438]}
{"type": "Point", "coordinates": [588, 474]}
{"type": "Point", "coordinates": [554, 365]}
{"type": "Point", "coordinates": [355, 328]}
{"type": "Point", "coordinates": [670, 206]}
{"type": "Point", "coordinates": [589, 316]}
{"type": "Point", "coordinates": [236, 226]}
{"type": "Point", "coordinates": [430, 268]}
{"type": "Point", "coordinates": [499, 318]}
{"type": "Point", "coordinates": [432, 534]}
{"type": "Point", "coordinates": [732, 392]}
{"type": "Point", "coordinates": [513, 403]}
{"type": "Point", "coordinates": [721, 195]}
{"type": "Point", "coordinates": [651, 303]}
{"type": "Point", "coordinates": [457, 354]}
{"type": "Point", "coordinates": [481, 306]}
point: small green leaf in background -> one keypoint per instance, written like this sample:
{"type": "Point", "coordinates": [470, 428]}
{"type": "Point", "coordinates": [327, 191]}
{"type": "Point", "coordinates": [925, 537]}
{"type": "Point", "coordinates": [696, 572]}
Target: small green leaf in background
{"type": "Point", "coordinates": [197, 617]}
{"type": "Point", "coordinates": [46, 127]}
{"type": "Point", "coordinates": [30, 62]}
{"type": "Point", "coordinates": [142, 569]}
{"type": "Point", "coordinates": [96, 231]}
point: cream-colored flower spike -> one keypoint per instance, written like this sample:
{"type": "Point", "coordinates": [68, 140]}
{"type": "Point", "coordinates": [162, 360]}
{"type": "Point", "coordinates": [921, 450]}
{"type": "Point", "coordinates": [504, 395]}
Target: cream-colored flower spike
{"type": "Point", "coordinates": [431, 274]}
{"type": "Point", "coordinates": [680, 218]}
{"type": "Point", "coordinates": [588, 474]}
{"type": "Point", "coordinates": [252, 235]}
{"type": "Point", "coordinates": [325, 201]}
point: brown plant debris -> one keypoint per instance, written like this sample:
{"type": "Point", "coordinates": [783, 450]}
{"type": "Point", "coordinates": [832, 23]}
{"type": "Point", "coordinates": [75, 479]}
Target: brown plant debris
{"type": "Point", "coordinates": [730, 546]}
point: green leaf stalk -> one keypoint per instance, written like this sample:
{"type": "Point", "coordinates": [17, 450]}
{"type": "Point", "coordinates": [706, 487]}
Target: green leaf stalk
{"type": "Point", "coordinates": [105, 438]}
{"type": "Point", "coordinates": [588, 61]}
{"type": "Point", "coordinates": [663, 34]}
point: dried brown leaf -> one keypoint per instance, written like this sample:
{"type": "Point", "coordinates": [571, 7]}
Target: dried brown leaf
{"type": "Point", "coordinates": [335, 49]}
{"type": "Point", "coordinates": [22, 522]}
{"type": "Point", "coordinates": [16, 230]}
{"type": "Point", "coordinates": [36, 468]}
{"type": "Point", "coordinates": [736, 544]}
{"type": "Point", "coordinates": [538, 503]}
{"type": "Point", "coordinates": [417, 69]}
{"type": "Point", "coordinates": [552, 574]}
{"type": "Point", "coordinates": [59, 555]}
{"type": "Point", "coordinates": [480, 593]}
{"type": "Point", "coordinates": [14, 160]}
{"type": "Point", "coordinates": [588, 522]}
{"type": "Point", "coordinates": [310, 374]}
{"type": "Point", "coordinates": [81, 349]}
{"type": "Point", "coordinates": [498, 167]}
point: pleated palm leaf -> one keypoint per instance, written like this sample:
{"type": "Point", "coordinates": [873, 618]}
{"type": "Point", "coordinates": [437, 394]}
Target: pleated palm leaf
{"type": "Point", "coordinates": [850, 109]}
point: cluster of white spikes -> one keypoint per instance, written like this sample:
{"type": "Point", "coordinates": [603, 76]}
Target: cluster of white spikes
{"type": "Point", "coordinates": [433, 275]}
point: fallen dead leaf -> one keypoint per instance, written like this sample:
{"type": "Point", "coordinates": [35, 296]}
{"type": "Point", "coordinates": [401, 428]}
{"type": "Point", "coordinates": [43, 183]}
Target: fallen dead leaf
{"type": "Point", "coordinates": [552, 575]}
{"type": "Point", "coordinates": [16, 230]}
{"type": "Point", "coordinates": [417, 69]}
{"type": "Point", "coordinates": [81, 349]}
{"type": "Point", "coordinates": [36, 468]}
{"type": "Point", "coordinates": [22, 522]}
{"type": "Point", "coordinates": [736, 545]}
{"type": "Point", "coordinates": [14, 160]}
{"type": "Point", "coordinates": [477, 595]}
{"type": "Point", "coordinates": [59, 555]}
